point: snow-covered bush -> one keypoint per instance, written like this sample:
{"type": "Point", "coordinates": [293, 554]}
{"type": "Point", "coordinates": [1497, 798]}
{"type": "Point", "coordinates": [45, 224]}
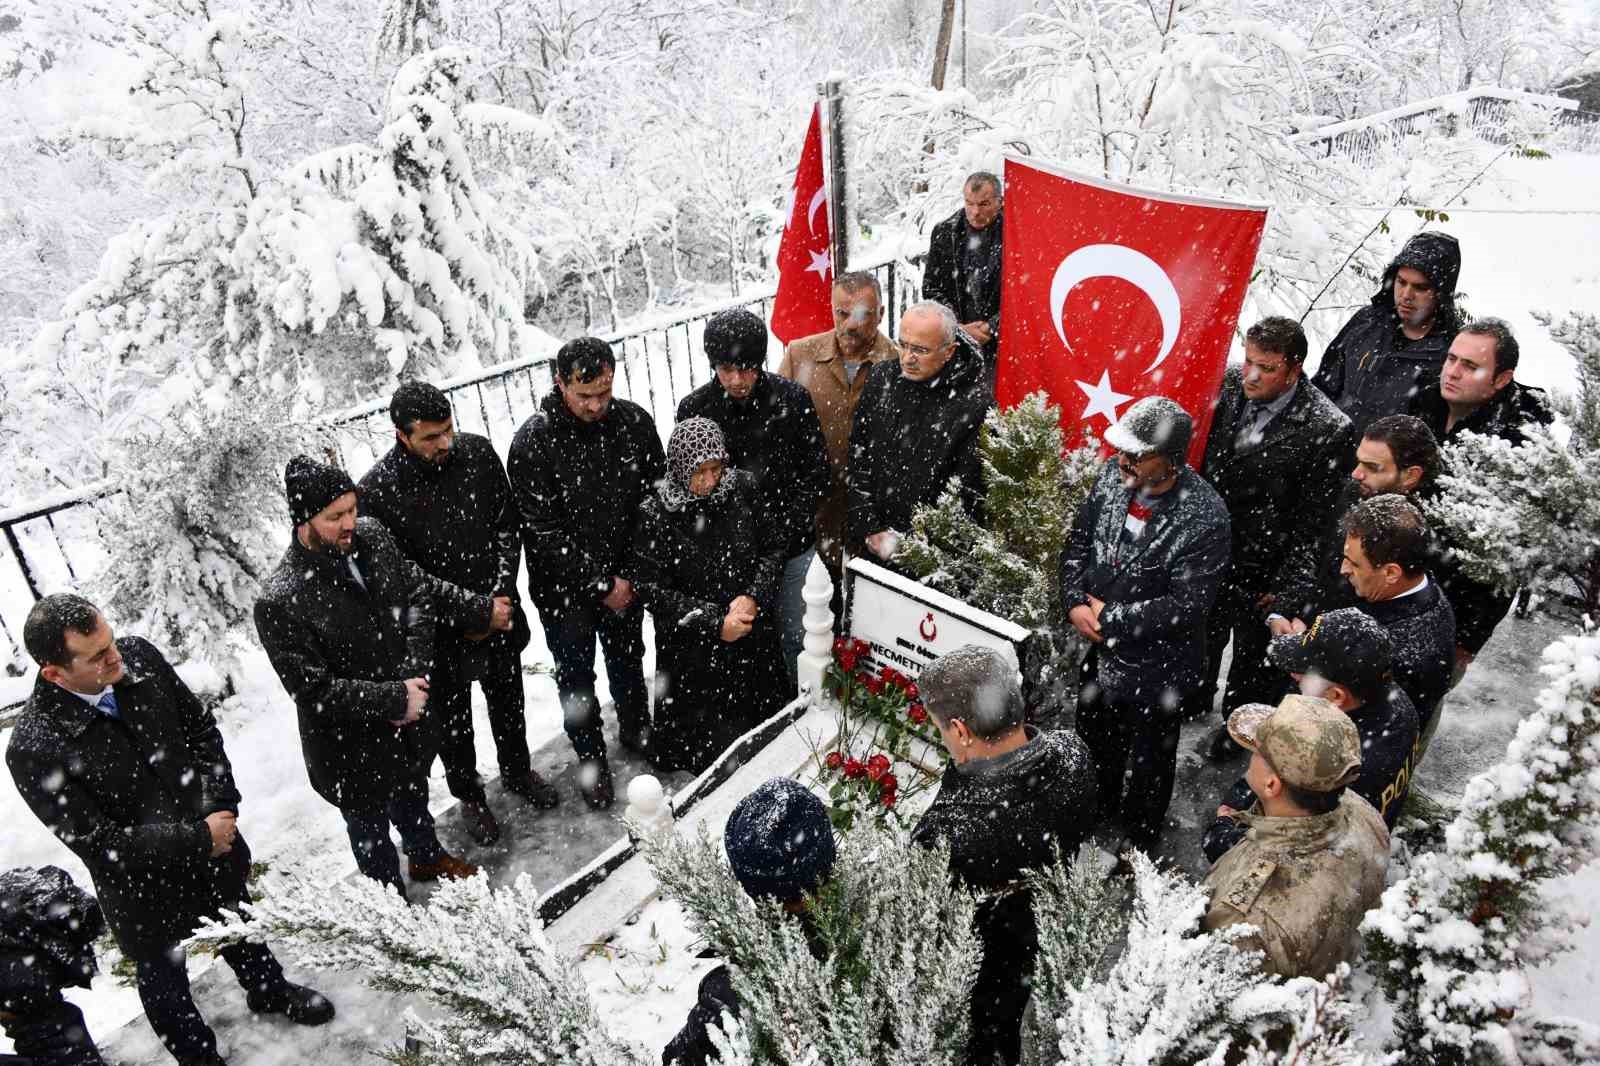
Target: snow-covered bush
{"type": "Point", "coordinates": [895, 953]}
{"type": "Point", "coordinates": [504, 994]}
{"type": "Point", "coordinates": [1517, 515]}
{"type": "Point", "coordinates": [1452, 940]}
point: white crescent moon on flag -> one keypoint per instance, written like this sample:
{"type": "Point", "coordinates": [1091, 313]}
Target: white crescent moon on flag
{"type": "Point", "coordinates": [818, 198]}
{"type": "Point", "coordinates": [1136, 268]}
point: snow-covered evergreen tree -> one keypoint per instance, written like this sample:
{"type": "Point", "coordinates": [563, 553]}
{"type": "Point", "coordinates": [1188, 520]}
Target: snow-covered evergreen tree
{"type": "Point", "coordinates": [1452, 941]}
{"type": "Point", "coordinates": [1521, 514]}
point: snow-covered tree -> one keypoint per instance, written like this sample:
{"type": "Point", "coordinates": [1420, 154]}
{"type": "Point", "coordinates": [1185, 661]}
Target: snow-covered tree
{"type": "Point", "coordinates": [1518, 515]}
{"type": "Point", "coordinates": [1452, 941]}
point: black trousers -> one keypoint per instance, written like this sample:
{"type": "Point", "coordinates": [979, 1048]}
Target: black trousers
{"type": "Point", "coordinates": [571, 636]}
{"type": "Point", "coordinates": [1251, 679]}
{"type": "Point", "coordinates": [1134, 744]}
{"type": "Point", "coordinates": [169, 1003]}
{"type": "Point", "coordinates": [45, 1029]}
{"type": "Point", "coordinates": [450, 696]}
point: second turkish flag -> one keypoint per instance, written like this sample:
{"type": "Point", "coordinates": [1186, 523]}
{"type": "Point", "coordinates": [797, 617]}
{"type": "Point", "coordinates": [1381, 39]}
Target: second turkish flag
{"type": "Point", "coordinates": [803, 304]}
{"type": "Point", "coordinates": [1110, 293]}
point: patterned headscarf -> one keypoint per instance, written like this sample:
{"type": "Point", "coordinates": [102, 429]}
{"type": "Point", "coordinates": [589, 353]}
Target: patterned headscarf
{"type": "Point", "coordinates": [694, 441]}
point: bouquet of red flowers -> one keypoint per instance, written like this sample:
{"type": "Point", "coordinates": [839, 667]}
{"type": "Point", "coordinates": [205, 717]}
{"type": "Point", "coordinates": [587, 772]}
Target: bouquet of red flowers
{"type": "Point", "coordinates": [887, 695]}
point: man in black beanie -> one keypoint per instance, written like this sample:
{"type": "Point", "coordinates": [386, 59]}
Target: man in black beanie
{"type": "Point", "coordinates": [780, 846]}
{"type": "Point", "coordinates": [580, 467]}
{"type": "Point", "coordinates": [444, 497]}
{"type": "Point", "coordinates": [1392, 350]}
{"type": "Point", "coordinates": [771, 431]}
{"type": "Point", "coordinates": [348, 621]}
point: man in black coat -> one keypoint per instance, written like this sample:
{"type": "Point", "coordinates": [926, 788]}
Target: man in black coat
{"type": "Point", "coordinates": [1391, 351]}
{"type": "Point", "coordinates": [48, 927]}
{"type": "Point", "coordinates": [1139, 574]}
{"type": "Point", "coordinates": [579, 469]}
{"type": "Point", "coordinates": [347, 622]}
{"type": "Point", "coordinates": [1274, 455]}
{"type": "Point", "coordinates": [964, 261]}
{"type": "Point", "coordinates": [126, 767]}
{"type": "Point", "coordinates": [1478, 394]}
{"type": "Point", "coordinates": [444, 498]}
{"type": "Point", "coordinates": [1011, 800]}
{"type": "Point", "coordinates": [1386, 553]}
{"type": "Point", "coordinates": [916, 427]}
{"type": "Point", "coordinates": [771, 431]}
{"type": "Point", "coordinates": [1346, 659]}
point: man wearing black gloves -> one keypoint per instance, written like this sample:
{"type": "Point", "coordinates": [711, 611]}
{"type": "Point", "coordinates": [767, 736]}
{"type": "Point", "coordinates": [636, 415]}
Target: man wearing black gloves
{"type": "Point", "coordinates": [579, 468]}
{"type": "Point", "coordinates": [771, 431]}
{"type": "Point", "coordinates": [1344, 658]}
{"type": "Point", "coordinates": [348, 623]}
{"type": "Point", "coordinates": [1391, 350]}
{"type": "Point", "coordinates": [443, 495]}
{"type": "Point", "coordinates": [1139, 573]}
{"type": "Point", "coordinates": [126, 767]}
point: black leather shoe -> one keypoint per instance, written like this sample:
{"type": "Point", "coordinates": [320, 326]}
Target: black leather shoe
{"type": "Point", "coordinates": [595, 781]}
{"type": "Point", "coordinates": [301, 1005]}
{"type": "Point", "coordinates": [533, 788]}
{"type": "Point", "coordinates": [480, 823]}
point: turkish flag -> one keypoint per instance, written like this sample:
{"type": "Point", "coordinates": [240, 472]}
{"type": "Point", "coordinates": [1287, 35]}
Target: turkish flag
{"type": "Point", "coordinates": [804, 303]}
{"type": "Point", "coordinates": [1110, 293]}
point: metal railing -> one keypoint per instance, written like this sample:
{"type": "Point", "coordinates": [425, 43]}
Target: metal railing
{"type": "Point", "coordinates": [52, 542]}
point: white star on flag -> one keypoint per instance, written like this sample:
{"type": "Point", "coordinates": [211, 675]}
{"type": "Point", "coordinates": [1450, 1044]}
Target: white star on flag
{"type": "Point", "coordinates": [821, 263]}
{"type": "Point", "coordinates": [1103, 399]}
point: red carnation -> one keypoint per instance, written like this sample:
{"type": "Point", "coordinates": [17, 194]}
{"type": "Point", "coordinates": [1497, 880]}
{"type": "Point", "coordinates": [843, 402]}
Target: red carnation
{"type": "Point", "coordinates": [840, 646]}
{"type": "Point", "coordinates": [911, 691]}
{"type": "Point", "coordinates": [833, 761]}
{"type": "Point", "coordinates": [917, 713]}
{"type": "Point", "coordinates": [877, 767]}
{"type": "Point", "coordinates": [887, 799]}
{"type": "Point", "coordinates": [847, 659]}
{"type": "Point", "coordinates": [861, 647]}
{"type": "Point", "coordinates": [854, 768]}
{"type": "Point", "coordinates": [888, 782]}
{"type": "Point", "coordinates": [871, 683]}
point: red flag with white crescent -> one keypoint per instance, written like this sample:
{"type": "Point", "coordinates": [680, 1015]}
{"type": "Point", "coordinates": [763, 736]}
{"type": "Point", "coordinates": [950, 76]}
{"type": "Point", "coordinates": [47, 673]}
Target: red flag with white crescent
{"type": "Point", "coordinates": [1110, 293]}
{"type": "Point", "coordinates": [804, 303]}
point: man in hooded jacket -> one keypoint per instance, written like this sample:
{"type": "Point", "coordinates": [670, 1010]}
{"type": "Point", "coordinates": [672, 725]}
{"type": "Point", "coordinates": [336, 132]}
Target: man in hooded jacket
{"type": "Point", "coordinates": [1391, 350]}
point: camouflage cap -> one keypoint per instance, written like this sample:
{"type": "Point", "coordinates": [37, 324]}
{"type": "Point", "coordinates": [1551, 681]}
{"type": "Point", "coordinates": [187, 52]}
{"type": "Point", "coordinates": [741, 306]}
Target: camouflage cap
{"type": "Point", "coordinates": [1310, 743]}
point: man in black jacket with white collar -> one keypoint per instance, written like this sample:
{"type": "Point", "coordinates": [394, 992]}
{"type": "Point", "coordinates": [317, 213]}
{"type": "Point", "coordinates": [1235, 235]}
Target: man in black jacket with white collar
{"type": "Point", "coordinates": [120, 761]}
{"type": "Point", "coordinates": [1139, 573]}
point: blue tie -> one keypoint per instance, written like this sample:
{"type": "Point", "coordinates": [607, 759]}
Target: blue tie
{"type": "Point", "coordinates": [108, 704]}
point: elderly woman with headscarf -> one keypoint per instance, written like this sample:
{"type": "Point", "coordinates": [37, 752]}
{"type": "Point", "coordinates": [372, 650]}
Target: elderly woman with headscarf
{"type": "Point", "coordinates": [708, 568]}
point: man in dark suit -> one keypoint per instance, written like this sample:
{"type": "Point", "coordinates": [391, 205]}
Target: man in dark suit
{"type": "Point", "coordinates": [125, 766]}
{"type": "Point", "coordinates": [964, 259]}
{"type": "Point", "coordinates": [1274, 456]}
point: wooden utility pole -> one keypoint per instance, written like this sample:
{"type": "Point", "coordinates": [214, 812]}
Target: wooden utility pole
{"type": "Point", "coordinates": [941, 46]}
{"type": "Point", "coordinates": [833, 161]}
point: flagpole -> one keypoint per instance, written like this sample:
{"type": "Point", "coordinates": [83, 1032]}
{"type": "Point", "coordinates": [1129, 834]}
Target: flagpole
{"type": "Point", "coordinates": [832, 95]}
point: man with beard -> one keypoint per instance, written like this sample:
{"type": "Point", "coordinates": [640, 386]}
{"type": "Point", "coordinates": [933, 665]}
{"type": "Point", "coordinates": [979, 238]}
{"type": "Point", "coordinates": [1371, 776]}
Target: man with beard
{"type": "Point", "coordinates": [964, 259]}
{"type": "Point", "coordinates": [444, 497]}
{"type": "Point", "coordinates": [1139, 573]}
{"type": "Point", "coordinates": [348, 622]}
{"type": "Point", "coordinates": [833, 367]}
{"type": "Point", "coordinates": [1391, 351]}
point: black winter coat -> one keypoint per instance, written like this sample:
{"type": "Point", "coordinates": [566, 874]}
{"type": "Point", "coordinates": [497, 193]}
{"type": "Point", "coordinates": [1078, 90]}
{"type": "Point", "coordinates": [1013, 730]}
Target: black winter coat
{"type": "Point", "coordinates": [1309, 582]}
{"type": "Point", "coordinates": [944, 278]}
{"type": "Point", "coordinates": [776, 437]}
{"type": "Point", "coordinates": [344, 653]}
{"type": "Point", "coordinates": [578, 487]}
{"type": "Point", "coordinates": [1479, 607]}
{"type": "Point", "coordinates": [1372, 369]}
{"type": "Point", "coordinates": [130, 798]}
{"type": "Point", "coordinates": [909, 438]}
{"type": "Point", "coordinates": [1423, 629]}
{"type": "Point", "coordinates": [1278, 491]}
{"type": "Point", "coordinates": [692, 1045]}
{"type": "Point", "coordinates": [1388, 738]}
{"type": "Point", "coordinates": [1001, 817]}
{"type": "Point", "coordinates": [689, 565]}
{"type": "Point", "coordinates": [457, 522]}
{"type": "Point", "coordinates": [1157, 593]}
{"type": "Point", "coordinates": [48, 927]}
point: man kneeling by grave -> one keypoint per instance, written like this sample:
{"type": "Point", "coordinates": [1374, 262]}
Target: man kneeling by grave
{"type": "Point", "coordinates": [1314, 855]}
{"type": "Point", "coordinates": [1009, 802]}
{"type": "Point", "coordinates": [780, 846]}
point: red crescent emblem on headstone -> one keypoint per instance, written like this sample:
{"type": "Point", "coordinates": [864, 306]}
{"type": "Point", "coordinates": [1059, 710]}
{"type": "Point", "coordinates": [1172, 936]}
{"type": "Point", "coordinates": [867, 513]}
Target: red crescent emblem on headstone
{"type": "Point", "coordinates": [928, 630]}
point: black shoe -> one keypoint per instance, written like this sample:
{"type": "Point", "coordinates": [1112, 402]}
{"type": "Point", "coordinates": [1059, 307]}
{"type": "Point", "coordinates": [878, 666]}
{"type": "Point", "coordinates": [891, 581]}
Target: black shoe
{"type": "Point", "coordinates": [1222, 747]}
{"type": "Point", "coordinates": [638, 743]}
{"type": "Point", "coordinates": [301, 1005]}
{"type": "Point", "coordinates": [533, 788]}
{"type": "Point", "coordinates": [598, 793]}
{"type": "Point", "coordinates": [480, 822]}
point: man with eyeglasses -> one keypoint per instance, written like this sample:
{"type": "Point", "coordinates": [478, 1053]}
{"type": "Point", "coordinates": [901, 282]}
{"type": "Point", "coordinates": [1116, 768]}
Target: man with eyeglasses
{"type": "Point", "coordinates": [1139, 574]}
{"type": "Point", "coordinates": [915, 428]}
{"type": "Point", "coordinates": [964, 257]}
